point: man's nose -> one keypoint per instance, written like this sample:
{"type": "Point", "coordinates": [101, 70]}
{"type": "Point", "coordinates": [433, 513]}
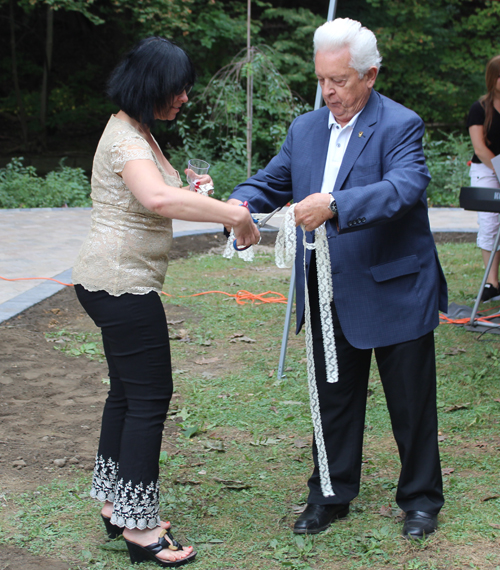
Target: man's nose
{"type": "Point", "coordinates": [329, 87]}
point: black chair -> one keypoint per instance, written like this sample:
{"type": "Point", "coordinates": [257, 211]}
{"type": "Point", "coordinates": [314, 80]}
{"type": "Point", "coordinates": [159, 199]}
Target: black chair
{"type": "Point", "coordinates": [482, 200]}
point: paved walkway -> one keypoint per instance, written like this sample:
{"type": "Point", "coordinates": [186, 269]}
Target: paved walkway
{"type": "Point", "coordinates": [44, 242]}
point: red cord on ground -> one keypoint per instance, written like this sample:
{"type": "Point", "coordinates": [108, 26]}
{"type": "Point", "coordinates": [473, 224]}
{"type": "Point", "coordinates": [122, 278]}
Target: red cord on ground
{"type": "Point", "coordinates": [241, 297]}
{"type": "Point", "coordinates": [445, 320]}
{"type": "Point", "coordinates": [31, 278]}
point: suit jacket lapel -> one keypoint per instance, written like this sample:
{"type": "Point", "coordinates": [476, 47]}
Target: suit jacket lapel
{"type": "Point", "coordinates": [321, 139]}
{"type": "Point", "coordinates": [361, 134]}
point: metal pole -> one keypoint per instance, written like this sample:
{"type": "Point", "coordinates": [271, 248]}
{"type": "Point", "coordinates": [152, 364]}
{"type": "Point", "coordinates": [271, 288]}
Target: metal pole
{"type": "Point", "coordinates": [483, 283]}
{"type": "Point", "coordinates": [332, 8]}
{"type": "Point", "coordinates": [286, 328]}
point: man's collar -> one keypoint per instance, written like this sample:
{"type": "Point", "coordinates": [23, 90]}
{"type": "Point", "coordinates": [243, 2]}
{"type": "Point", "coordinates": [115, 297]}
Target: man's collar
{"type": "Point", "coordinates": [351, 123]}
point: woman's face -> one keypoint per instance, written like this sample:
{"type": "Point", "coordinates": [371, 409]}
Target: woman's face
{"type": "Point", "coordinates": [170, 113]}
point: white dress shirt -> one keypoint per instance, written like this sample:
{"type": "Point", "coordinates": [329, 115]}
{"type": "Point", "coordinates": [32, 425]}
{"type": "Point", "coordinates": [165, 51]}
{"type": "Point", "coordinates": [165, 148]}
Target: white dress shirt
{"type": "Point", "coordinates": [339, 139]}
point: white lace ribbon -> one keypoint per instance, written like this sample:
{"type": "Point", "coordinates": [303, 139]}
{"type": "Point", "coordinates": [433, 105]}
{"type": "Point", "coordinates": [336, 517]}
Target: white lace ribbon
{"type": "Point", "coordinates": [286, 245]}
{"type": "Point", "coordinates": [203, 189]}
{"type": "Point", "coordinates": [229, 251]}
{"type": "Point", "coordinates": [246, 254]}
{"type": "Point", "coordinates": [285, 251]}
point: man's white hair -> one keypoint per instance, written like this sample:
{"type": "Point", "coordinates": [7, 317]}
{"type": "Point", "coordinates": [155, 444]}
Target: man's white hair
{"type": "Point", "coordinates": [344, 32]}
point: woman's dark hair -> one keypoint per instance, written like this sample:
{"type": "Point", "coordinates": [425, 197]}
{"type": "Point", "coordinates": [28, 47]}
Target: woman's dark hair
{"type": "Point", "coordinates": [148, 78]}
{"type": "Point", "coordinates": [491, 77]}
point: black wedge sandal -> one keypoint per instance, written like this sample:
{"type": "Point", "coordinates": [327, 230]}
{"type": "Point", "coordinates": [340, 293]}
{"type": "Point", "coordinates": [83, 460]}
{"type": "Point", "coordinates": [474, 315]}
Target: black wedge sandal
{"type": "Point", "coordinates": [112, 530]}
{"type": "Point", "coordinates": [140, 553]}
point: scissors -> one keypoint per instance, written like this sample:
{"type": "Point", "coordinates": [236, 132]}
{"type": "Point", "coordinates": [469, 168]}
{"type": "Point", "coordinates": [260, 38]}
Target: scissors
{"type": "Point", "coordinates": [260, 224]}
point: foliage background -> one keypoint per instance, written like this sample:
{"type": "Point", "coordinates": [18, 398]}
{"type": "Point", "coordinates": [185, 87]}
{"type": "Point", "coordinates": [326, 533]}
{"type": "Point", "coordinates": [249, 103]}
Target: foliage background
{"type": "Point", "coordinates": [58, 53]}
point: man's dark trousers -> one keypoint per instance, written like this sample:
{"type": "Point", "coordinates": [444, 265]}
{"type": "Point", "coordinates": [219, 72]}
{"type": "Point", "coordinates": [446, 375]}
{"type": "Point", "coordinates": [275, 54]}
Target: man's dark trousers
{"type": "Point", "coordinates": [408, 374]}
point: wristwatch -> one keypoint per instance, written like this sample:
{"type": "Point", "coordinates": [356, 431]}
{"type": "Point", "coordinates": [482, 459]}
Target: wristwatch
{"type": "Point", "coordinates": [333, 205]}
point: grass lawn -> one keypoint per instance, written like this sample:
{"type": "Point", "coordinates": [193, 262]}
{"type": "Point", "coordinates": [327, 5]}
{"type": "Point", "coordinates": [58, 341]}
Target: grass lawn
{"type": "Point", "coordinates": [237, 455]}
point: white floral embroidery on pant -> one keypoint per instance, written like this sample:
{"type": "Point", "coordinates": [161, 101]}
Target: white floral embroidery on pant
{"type": "Point", "coordinates": [136, 507]}
{"type": "Point", "coordinates": [104, 479]}
{"type": "Point", "coordinates": [133, 506]}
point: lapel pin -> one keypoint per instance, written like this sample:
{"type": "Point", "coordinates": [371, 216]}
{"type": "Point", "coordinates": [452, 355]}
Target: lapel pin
{"type": "Point", "coordinates": [360, 134]}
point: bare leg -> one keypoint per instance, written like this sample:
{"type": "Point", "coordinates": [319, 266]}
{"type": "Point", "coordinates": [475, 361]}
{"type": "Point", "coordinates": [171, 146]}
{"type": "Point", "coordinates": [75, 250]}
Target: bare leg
{"type": "Point", "coordinates": [493, 274]}
{"type": "Point", "coordinates": [107, 509]}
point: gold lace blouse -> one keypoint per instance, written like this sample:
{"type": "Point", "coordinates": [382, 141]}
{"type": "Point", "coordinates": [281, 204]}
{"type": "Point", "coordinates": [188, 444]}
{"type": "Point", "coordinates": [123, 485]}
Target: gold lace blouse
{"type": "Point", "coordinates": [126, 250]}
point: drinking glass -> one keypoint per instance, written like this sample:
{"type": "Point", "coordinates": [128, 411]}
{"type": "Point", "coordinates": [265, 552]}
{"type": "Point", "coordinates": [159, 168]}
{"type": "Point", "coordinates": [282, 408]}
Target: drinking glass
{"type": "Point", "coordinates": [195, 170]}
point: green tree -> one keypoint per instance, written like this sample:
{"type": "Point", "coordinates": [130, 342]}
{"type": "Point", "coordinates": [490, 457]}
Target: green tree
{"type": "Point", "coordinates": [215, 129]}
{"type": "Point", "coordinates": [434, 53]}
{"type": "Point", "coordinates": [60, 53]}
{"type": "Point", "coordinates": [43, 10]}
{"type": "Point", "coordinates": [57, 54]}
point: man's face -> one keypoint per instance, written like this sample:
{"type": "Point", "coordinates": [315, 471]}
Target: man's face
{"type": "Point", "coordinates": [345, 94]}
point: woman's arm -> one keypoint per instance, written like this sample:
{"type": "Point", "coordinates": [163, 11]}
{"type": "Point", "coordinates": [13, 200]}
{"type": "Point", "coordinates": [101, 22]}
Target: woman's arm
{"type": "Point", "coordinates": [145, 181]}
{"type": "Point", "coordinates": [482, 151]}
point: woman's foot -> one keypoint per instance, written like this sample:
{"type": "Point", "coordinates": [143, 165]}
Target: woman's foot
{"type": "Point", "coordinates": [112, 530]}
{"type": "Point", "coordinates": [150, 536]}
{"type": "Point", "coordinates": [107, 510]}
{"type": "Point", "coordinates": [489, 292]}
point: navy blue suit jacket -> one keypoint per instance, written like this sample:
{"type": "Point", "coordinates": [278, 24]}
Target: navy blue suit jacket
{"type": "Point", "coordinates": [387, 281]}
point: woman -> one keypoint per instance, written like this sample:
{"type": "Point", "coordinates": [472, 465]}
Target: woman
{"type": "Point", "coordinates": [484, 130]}
{"type": "Point", "coordinates": [118, 274]}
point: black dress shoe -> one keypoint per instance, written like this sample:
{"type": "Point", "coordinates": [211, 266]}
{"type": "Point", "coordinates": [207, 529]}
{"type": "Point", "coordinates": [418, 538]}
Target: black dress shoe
{"type": "Point", "coordinates": [419, 524]}
{"type": "Point", "coordinates": [317, 518]}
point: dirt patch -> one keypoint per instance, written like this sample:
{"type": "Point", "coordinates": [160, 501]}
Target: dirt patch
{"type": "Point", "coordinates": [17, 559]}
{"type": "Point", "coordinates": [50, 410]}
{"type": "Point", "coordinates": [455, 237]}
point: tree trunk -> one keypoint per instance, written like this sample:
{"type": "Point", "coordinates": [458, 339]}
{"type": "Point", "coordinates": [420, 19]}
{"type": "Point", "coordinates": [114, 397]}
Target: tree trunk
{"type": "Point", "coordinates": [22, 112]}
{"type": "Point", "coordinates": [49, 40]}
{"type": "Point", "coordinates": [249, 93]}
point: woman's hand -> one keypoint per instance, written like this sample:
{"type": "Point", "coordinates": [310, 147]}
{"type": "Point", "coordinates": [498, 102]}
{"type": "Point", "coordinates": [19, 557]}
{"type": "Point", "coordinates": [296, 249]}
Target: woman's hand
{"type": "Point", "coordinates": [480, 149]}
{"type": "Point", "coordinates": [203, 179]}
{"type": "Point", "coordinates": [232, 202]}
{"type": "Point", "coordinates": [245, 229]}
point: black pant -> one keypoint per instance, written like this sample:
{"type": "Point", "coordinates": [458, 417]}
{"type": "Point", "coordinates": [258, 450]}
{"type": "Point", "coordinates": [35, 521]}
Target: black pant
{"type": "Point", "coordinates": [135, 337]}
{"type": "Point", "coordinates": [408, 375]}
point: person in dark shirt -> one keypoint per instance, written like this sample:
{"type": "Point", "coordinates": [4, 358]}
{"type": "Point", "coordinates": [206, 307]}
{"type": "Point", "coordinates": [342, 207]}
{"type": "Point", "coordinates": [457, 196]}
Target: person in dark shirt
{"type": "Point", "coordinates": [484, 129]}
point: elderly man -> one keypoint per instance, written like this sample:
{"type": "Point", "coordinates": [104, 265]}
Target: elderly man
{"type": "Point", "coordinates": [357, 166]}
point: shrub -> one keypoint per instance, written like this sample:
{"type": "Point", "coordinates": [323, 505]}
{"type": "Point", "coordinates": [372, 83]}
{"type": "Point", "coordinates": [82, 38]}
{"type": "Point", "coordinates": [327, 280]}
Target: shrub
{"type": "Point", "coordinates": [226, 172]}
{"type": "Point", "coordinates": [217, 131]}
{"type": "Point", "coordinates": [447, 162]}
{"type": "Point", "coordinates": [21, 187]}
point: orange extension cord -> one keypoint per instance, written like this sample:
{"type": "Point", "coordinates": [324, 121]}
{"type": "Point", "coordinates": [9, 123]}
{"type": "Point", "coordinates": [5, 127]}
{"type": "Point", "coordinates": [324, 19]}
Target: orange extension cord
{"type": "Point", "coordinates": [241, 297]}
{"type": "Point", "coordinates": [444, 320]}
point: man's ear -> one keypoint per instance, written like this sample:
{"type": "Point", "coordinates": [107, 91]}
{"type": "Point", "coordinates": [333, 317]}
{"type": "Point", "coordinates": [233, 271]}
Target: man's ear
{"type": "Point", "coordinates": [371, 75]}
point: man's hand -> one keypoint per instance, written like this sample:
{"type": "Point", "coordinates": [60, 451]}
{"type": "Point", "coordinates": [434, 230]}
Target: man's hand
{"type": "Point", "coordinates": [313, 211]}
